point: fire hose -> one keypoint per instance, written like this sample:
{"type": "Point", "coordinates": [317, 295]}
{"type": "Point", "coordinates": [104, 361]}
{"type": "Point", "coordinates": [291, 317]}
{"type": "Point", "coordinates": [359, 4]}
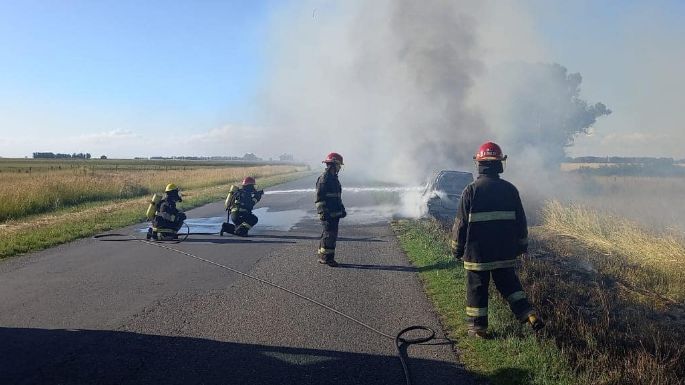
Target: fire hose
{"type": "Point", "coordinates": [401, 343]}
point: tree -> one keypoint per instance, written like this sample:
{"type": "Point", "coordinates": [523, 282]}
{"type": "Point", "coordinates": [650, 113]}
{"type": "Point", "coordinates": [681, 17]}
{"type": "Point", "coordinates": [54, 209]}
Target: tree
{"type": "Point", "coordinates": [542, 109]}
{"type": "Point", "coordinates": [103, 157]}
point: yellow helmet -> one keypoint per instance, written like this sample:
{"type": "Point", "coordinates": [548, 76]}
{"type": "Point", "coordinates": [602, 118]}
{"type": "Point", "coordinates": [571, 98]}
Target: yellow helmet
{"type": "Point", "coordinates": [170, 187]}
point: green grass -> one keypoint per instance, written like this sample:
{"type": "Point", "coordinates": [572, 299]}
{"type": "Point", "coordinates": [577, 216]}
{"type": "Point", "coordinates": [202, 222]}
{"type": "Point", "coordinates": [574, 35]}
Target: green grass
{"type": "Point", "coordinates": [514, 355]}
{"type": "Point", "coordinates": [88, 219]}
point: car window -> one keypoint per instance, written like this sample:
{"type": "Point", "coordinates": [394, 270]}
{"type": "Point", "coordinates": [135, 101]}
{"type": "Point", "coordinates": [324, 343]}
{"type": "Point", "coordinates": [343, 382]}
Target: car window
{"type": "Point", "coordinates": [453, 182]}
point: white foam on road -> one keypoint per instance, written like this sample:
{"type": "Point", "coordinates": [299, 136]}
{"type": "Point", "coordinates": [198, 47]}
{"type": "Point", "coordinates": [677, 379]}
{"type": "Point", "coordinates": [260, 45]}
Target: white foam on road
{"type": "Point", "coordinates": [349, 189]}
{"type": "Point", "coordinates": [268, 221]}
{"type": "Point", "coordinates": [408, 203]}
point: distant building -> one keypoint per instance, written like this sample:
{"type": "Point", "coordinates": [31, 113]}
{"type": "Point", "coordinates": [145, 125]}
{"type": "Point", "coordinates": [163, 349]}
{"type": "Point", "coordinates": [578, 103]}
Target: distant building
{"type": "Point", "coordinates": [251, 157]}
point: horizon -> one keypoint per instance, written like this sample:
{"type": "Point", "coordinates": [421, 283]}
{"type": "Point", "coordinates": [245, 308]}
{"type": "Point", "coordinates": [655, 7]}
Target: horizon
{"type": "Point", "coordinates": [119, 78]}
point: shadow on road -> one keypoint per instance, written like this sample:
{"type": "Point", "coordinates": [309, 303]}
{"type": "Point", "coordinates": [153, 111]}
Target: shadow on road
{"type": "Point", "coordinates": [318, 237]}
{"type": "Point", "coordinates": [231, 239]}
{"type": "Point", "coordinates": [408, 269]}
{"type": "Point", "coordinates": [42, 356]}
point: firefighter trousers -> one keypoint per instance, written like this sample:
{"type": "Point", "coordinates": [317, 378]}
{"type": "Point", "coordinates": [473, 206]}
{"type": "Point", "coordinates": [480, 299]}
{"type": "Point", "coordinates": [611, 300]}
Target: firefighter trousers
{"type": "Point", "coordinates": [243, 221]}
{"type": "Point", "coordinates": [163, 225]}
{"type": "Point", "coordinates": [507, 284]}
{"type": "Point", "coordinates": [329, 237]}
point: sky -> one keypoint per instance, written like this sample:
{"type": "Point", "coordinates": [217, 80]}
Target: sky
{"type": "Point", "coordinates": [128, 78]}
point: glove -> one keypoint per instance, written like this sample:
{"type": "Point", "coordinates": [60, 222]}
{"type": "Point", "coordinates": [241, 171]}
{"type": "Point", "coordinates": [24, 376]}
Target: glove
{"type": "Point", "coordinates": [181, 217]}
{"type": "Point", "coordinates": [344, 214]}
{"type": "Point", "coordinates": [323, 216]}
{"type": "Point", "coordinates": [259, 194]}
{"type": "Point", "coordinates": [458, 256]}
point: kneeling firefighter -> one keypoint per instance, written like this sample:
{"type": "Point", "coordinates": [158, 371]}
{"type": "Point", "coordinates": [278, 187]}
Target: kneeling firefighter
{"type": "Point", "coordinates": [490, 231]}
{"type": "Point", "coordinates": [167, 219]}
{"type": "Point", "coordinates": [239, 204]}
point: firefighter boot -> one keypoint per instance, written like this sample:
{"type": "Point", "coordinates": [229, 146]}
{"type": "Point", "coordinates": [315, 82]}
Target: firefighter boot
{"type": "Point", "coordinates": [149, 234]}
{"type": "Point", "coordinates": [478, 333]}
{"type": "Point", "coordinates": [167, 236]}
{"type": "Point", "coordinates": [536, 322]}
{"type": "Point", "coordinates": [227, 228]}
{"type": "Point", "coordinates": [327, 259]}
{"type": "Point", "coordinates": [331, 262]}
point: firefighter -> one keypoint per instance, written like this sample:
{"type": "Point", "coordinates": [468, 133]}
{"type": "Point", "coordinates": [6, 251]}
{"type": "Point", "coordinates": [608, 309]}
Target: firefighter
{"type": "Point", "coordinates": [330, 208]}
{"type": "Point", "coordinates": [168, 218]}
{"type": "Point", "coordinates": [489, 233]}
{"type": "Point", "coordinates": [241, 201]}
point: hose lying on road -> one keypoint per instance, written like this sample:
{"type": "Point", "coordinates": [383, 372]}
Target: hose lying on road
{"type": "Point", "coordinates": [401, 343]}
{"type": "Point", "coordinates": [185, 235]}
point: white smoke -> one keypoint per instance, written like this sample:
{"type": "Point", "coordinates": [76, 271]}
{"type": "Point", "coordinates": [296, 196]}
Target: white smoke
{"type": "Point", "coordinates": [385, 83]}
{"type": "Point", "coordinates": [402, 89]}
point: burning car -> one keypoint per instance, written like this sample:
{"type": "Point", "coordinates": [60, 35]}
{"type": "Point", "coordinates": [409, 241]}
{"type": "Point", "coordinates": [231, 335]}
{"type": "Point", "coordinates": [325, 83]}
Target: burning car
{"type": "Point", "coordinates": [443, 192]}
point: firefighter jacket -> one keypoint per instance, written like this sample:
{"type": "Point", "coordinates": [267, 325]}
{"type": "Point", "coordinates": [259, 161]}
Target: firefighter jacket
{"type": "Point", "coordinates": [167, 215]}
{"type": "Point", "coordinates": [245, 199]}
{"type": "Point", "coordinates": [329, 197]}
{"type": "Point", "coordinates": [490, 230]}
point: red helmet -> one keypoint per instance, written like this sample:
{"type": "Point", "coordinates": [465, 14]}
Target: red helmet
{"type": "Point", "coordinates": [248, 181]}
{"type": "Point", "coordinates": [489, 151]}
{"type": "Point", "coordinates": [333, 157]}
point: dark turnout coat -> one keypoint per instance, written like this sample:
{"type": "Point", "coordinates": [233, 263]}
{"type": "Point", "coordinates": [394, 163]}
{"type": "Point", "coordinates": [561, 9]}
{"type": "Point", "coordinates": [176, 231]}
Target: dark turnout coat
{"type": "Point", "coordinates": [329, 197]}
{"type": "Point", "coordinates": [168, 216]}
{"type": "Point", "coordinates": [245, 199]}
{"type": "Point", "coordinates": [490, 230]}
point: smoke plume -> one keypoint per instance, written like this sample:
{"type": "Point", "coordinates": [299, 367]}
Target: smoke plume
{"type": "Point", "coordinates": [385, 83]}
{"type": "Point", "coordinates": [401, 89]}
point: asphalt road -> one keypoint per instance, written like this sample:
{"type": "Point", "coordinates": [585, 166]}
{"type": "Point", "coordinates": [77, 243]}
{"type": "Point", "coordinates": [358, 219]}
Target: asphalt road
{"type": "Point", "coordinates": [94, 312]}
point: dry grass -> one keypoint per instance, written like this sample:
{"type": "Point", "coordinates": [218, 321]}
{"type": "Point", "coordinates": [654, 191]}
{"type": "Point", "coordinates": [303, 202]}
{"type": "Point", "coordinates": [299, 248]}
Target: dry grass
{"type": "Point", "coordinates": [45, 230]}
{"type": "Point", "coordinates": [655, 202]}
{"type": "Point", "coordinates": [613, 293]}
{"type": "Point", "coordinates": [642, 259]}
{"type": "Point", "coordinates": [23, 194]}
{"type": "Point", "coordinates": [578, 166]}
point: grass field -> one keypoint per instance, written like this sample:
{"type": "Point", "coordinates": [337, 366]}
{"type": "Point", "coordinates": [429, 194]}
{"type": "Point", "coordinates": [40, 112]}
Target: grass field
{"type": "Point", "coordinates": [651, 201]}
{"type": "Point", "coordinates": [515, 356]}
{"type": "Point", "coordinates": [55, 205]}
{"type": "Point", "coordinates": [613, 294]}
{"type": "Point", "coordinates": [53, 185]}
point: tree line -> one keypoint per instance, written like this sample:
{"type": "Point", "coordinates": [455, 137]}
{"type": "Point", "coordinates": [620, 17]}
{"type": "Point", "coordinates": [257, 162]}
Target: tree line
{"type": "Point", "coordinates": [52, 155]}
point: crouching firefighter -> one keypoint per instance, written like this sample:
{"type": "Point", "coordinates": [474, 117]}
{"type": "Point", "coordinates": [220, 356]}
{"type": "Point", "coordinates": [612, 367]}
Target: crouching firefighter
{"type": "Point", "coordinates": [167, 219]}
{"type": "Point", "coordinates": [489, 233]}
{"type": "Point", "coordinates": [239, 204]}
{"type": "Point", "coordinates": [330, 208]}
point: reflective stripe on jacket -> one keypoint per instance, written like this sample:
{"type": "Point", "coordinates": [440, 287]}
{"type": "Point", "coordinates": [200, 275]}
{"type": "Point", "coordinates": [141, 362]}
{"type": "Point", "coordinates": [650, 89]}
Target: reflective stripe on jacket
{"type": "Point", "coordinates": [490, 230]}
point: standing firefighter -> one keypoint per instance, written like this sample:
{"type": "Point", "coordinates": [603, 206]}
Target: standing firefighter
{"type": "Point", "coordinates": [330, 208]}
{"type": "Point", "coordinates": [239, 204]}
{"type": "Point", "coordinates": [167, 218]}
{"type": "Point", "coordinates": [489, 233]}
